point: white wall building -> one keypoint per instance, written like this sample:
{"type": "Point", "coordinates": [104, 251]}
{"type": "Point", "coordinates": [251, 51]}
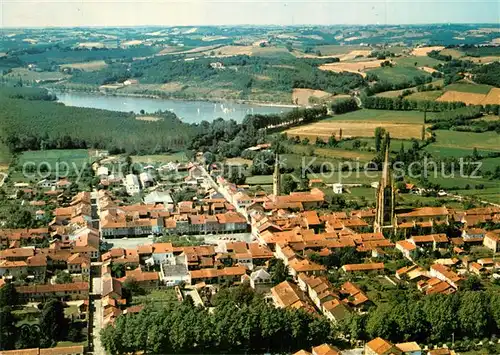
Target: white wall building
{"type": "Point", "coordinates": [132, 184]}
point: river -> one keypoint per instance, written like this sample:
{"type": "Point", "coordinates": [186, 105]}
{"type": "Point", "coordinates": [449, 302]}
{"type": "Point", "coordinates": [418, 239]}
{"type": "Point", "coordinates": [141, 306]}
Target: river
{"type": "Point", "coordinates": [188, 111]}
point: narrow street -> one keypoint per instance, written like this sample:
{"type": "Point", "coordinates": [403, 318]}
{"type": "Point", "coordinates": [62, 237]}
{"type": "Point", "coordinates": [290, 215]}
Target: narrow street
{"type": "Point", "coordinates": [96, 328]}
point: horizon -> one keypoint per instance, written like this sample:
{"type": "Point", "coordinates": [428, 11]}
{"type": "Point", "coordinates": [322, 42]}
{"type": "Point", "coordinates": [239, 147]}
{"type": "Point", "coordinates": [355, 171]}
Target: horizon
{"type": "Point", "coordinates": [258, 25]}
{"type": "Point", "coordinates": [175, 13]}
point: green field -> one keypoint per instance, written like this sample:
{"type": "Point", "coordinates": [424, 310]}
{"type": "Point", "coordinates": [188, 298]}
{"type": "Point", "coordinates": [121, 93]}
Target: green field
{"type": "Point", "coordinates": [489, 164]}
{"type": "Point", "coordinates": [53, 156]}
{"type": "Point", "coordinates": [472, 88]}
{"type": "Point", "coordinates": [397, 74]}
{"type": "Point", "coordinates": [491, 194]}
{"type": "Point", "coordinates": [421, 62]}
{"type": "Point", "coordinates": [453, 139]}
{"type": "Point", "coordinates": [332, 154]}
{"type": "Point", "coordinates": [334, 49]}
{"type": "Point", "coordinates": [348, 177]}
{"type": "Point", "coordinates": [25, 74]}
{"type": "Point", "coordinates": [455, 53]}
{"type": "Point", "coordinates": [160, 158]}
{"type": "Point", "coordinates": [383, 116]}
{"type": "Point", "coordinates": [259, 180]}
{"type": "Point", "coordinates": [462, 182]}
{"type": "Point", "coordinates": [451, 152]}
{"type": "Point", "coordinates": [4, 155]}
{"type": "Point", "coordinates": [425, 95]}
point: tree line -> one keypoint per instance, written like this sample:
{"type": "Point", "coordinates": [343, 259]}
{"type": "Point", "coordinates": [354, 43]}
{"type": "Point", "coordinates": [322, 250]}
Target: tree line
{"type": "Point", "coordinates": [229, 138]}
{"type": "Point", "coordinates": [29, 120]}
{"type": "Point", "coordinates": [437, 318]}
{"type": "Point", "coordinates": [400, 104]}
{"type": "Point", "coordinates": [51, 327]}
{"type": "Point", "coordinates": [241, 323]}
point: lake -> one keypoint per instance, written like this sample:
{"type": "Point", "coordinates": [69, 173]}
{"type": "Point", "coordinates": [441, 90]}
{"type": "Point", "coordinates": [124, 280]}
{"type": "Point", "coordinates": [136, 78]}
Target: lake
{"type": "Point", "coordinates": [188, 111]}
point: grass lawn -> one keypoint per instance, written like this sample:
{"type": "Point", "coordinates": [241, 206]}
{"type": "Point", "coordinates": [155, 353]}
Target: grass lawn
{"type": "Point", "coordinates": [330, 154]}
{"type": "Point", "coordinates": [53, 156]}
{"type": "Point", "coordinates": [454, 139]}
{"type": "Point", "coordinates": [358, 193]}
{"type": "Point", "coordinates": [421, 62]}
{"type": "Point", "coordinates": [156, 297]}
{"type": "Point", "coordinates": [462, 182]}
{"type": "Point", "coordinates": [382, 116]}
{"type": "Point", "coordinates": [397, 74]}
{"type": "Point", "coordinates": [160, 158]}
{"type": "Point", "coordinates": [409, 200]}
{"type": "Point", "coordinates": [491, 194]}
{"type": "Point", "coordinates": [259, 180]}
{"type": "Point", "coordinates": [4, 156]}
{"type": "Point", "coordinates": [472, 88]}
{"type": "Point", "coordinates": [425, 95]}
{"type": "Point", "coordinates": [489, 164]}
{"type": "Point", "coordinates": [333, 49]}
{"type": "Point", "coordinates": [70, 343]}
{"type": "Point", "coordinates": [25, 74]}
{"type": "Point", "coordinates": [348, 177]}
{"type": "Point", "coordinates": [455, 53]}
{"type": "Point", "coordinates": [457, 152]}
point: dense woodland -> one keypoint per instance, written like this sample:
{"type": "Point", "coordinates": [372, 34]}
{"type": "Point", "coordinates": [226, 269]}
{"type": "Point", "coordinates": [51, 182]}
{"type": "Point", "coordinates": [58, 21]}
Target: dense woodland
{"type": "Point", "coordinates": [241, 73]}
{"type": "Point", "coordinates": [229, 139]}
{"type": "Point", "coordinates": [41, 123]}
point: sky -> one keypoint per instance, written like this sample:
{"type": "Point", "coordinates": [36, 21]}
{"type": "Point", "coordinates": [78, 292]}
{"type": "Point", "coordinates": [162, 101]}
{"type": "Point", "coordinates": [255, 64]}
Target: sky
{"type": "Point", "coordinates": [67, 13]}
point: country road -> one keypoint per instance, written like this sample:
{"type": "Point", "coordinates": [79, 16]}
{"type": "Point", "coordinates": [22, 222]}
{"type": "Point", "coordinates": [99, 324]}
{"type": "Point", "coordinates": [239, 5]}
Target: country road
{"type": "Point", "coordinates": [2, 180]}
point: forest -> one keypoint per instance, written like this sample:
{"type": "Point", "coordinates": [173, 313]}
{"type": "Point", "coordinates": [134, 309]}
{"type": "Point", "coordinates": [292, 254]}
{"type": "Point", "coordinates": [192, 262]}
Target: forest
{"type": "Point", "coordinates": [229, 139]}
{"type": "Point", "coordinates": [241, 71]}
{"type": "Point", "coordinates": [43, 123]}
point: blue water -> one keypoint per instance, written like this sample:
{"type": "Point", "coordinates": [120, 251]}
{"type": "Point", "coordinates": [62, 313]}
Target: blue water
{"type": "Point", "coordinates": [188, 111]}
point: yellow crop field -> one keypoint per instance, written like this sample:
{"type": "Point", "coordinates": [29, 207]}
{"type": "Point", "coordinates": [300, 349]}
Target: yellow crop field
{"type": "Point", "coordinates": [353, 67]}
{"type": "Point", "coordinates": [326, 129]}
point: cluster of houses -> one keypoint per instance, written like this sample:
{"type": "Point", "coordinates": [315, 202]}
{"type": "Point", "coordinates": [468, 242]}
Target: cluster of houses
{"type": "Point", "coordinates": [206, 216]}
{"type": "Point", "coordinates": [292, 228]}
{"type": "Point", "coordinates": [378, 346]}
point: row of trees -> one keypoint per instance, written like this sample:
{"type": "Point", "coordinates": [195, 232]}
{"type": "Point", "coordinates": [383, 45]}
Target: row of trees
{"type": "Point", "coordinates": [344, 105]}
{"type": "Point", "coordinates": [241, 323]}
{"type": "Point", "coordinates": [230, 139]}
{"type": "Point", "coordinates": [52, 326]}
{"type": "Point", "coordinates": [434, 318]}
{"type": "Point", "coordinates": [399, 104]}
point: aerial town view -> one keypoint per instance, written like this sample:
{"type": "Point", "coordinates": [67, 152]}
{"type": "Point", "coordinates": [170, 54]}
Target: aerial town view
{"type": "Point", "coordinates": [281, 178]}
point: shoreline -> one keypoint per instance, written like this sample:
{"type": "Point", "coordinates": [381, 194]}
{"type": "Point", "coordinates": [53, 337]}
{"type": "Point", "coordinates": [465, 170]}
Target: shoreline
{"type": "Point", "coordinates": [156, 97]}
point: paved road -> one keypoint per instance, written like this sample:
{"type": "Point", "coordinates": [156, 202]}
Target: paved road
{"type": "Point", "coordinates": [131, 243]}
{"type": "Point", "coordinates": [96, 328]}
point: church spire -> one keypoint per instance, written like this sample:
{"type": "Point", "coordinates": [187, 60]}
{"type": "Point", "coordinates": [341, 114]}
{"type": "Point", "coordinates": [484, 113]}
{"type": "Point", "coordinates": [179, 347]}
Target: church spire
{"type": "Point", "coordinates": [276, 175]}
{"type": "Point", "coordinates": [384, 217]}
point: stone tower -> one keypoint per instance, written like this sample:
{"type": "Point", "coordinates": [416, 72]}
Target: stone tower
{"type": "Point", "coordinates": [384, 216]}
{"type": "Point", "coordinates": [277, 176]}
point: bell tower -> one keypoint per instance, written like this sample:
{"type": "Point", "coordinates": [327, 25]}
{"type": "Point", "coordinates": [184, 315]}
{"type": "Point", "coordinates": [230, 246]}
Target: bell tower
{"type": "Point", "coordinates": [384, 216]}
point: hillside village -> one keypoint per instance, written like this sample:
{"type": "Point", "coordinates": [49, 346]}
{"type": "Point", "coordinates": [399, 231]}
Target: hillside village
{"type": "Point", "coordinates": [110, 248]}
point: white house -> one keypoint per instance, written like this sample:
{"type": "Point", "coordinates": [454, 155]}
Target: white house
{"type": "Point", "coordinates": [132, 184]}
{"type": "Point", "coordinates": [337, 188]}
{"type": "Point", "coordinates": [259, 277]}
{"type": "Point", "coordinates": [163, 253]}
{"type": "Point", "coordinates": [172, 275]}
{"type": "Point", "coordinates": [146, 179]}
{"type": "Point", "coordinates": [102, 171]}
{"type": "Point", "coordinates": [46, 183]}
